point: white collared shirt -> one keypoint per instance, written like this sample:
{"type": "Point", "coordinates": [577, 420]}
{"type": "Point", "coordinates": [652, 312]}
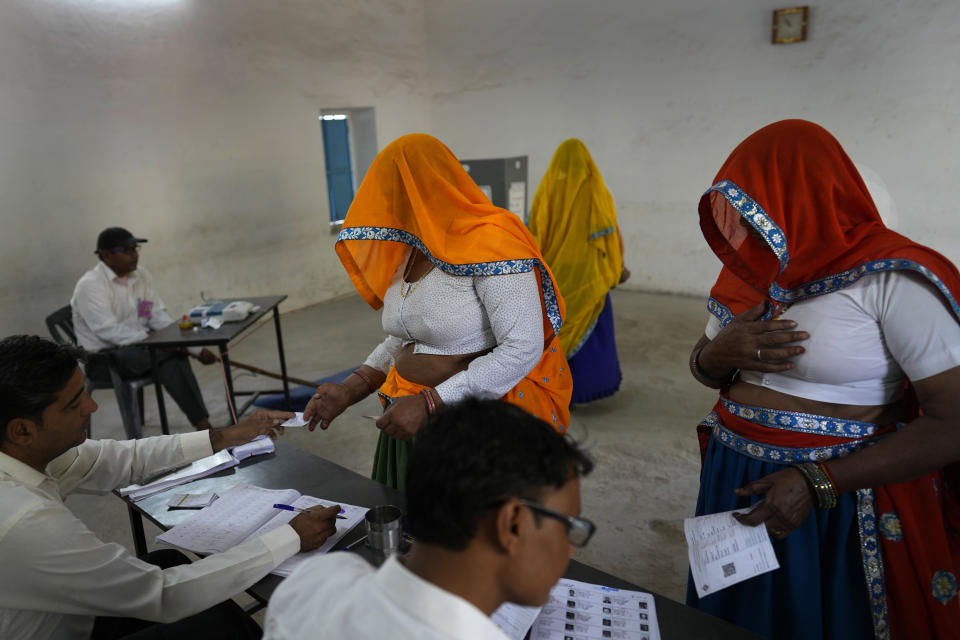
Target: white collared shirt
{"type": "Point", "coordinates": [341, 596]}
{"type": "Point", "coordinates": [109, 311]}
{"type": "Point", "coordinates": [57, 575]}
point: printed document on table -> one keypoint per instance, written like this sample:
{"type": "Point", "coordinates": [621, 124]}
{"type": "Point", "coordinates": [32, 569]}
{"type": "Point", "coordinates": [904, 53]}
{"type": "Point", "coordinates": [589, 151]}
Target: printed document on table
{"type": "Point", "coordinates": [583, 611]}
{"type": "Point", "coordinates": [197, 469]}
{"type": "Point", "coordinates": [723, 552]}
{"type": "Point", "coordinates": [515, 620]}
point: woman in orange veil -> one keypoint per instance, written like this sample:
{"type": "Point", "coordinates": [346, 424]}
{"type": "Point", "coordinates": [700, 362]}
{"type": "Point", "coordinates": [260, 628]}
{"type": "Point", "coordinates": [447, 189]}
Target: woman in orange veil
{"type": "Point", "coordinates": [469, 305]}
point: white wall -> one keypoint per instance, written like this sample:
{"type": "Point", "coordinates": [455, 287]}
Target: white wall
{"type": "Point", "coordinates": [661, 92]}
{"type": "Point", "coordinates": [194, 124]}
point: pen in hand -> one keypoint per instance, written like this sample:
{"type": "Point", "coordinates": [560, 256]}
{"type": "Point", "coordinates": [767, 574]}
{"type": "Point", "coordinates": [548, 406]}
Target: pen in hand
{"type": "Point", "coordinates": [287, 507]}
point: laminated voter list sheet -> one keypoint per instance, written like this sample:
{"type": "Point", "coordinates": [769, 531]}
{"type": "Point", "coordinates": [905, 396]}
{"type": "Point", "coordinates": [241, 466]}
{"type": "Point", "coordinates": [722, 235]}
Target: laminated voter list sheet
{"type": "Point", "coordinates": [724, 552]}
{"type": "Point", "coordinates": [583, 611]}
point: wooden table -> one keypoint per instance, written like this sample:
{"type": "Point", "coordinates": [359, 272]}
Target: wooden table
{"type": "Point", "coordinates": [311, 475]}
{"type": "Point", "coordinates": [175, 337]}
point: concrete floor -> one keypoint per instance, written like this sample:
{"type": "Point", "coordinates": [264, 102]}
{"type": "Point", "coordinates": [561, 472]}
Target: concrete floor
{"type": "Point", "coordinates": [642, 439]}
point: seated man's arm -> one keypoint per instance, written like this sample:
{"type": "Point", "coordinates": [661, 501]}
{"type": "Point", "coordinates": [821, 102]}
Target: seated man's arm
{"type": "Point", "coordinates": [159, 318]}
{"type": "Point", "coordinates": [100, 466]}
{"type": "Point", "coordinates": [52, 562]}
{"type": "Point", "coordinates": [93, 306]}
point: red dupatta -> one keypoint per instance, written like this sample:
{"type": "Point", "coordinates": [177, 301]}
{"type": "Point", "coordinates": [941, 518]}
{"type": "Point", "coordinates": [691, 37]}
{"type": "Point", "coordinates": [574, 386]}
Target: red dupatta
{"type": "Point", "coordinates": [793, 183]}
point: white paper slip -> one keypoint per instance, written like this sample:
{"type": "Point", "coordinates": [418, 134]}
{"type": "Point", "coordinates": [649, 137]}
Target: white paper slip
{"type": "Point", "coordinates": [515, 620]}
{"type": "Point", "coordinates": [592, 611]}
{"type": "Point", "coordinates": [723, 552]}
{"type": "Point", "coordinates": [197, 469]}
{"type": "Point", "coordinates": [191, 500]}
{"type": "Point", "coordinates": [296, 421]}
{"type": "Point", "coordinates": [258, 446]}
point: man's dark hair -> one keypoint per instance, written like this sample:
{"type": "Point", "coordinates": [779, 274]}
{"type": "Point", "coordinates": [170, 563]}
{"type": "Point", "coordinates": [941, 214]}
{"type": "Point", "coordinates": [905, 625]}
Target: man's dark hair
{"type": "Point", "coordinates": [475, 455]}
{"type": "Point", "coordinates": [33, 371]}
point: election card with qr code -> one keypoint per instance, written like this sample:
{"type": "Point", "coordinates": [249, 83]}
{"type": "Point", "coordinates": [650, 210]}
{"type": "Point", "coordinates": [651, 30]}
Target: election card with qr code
{"type": "Point", "coordinates": [724, 552]}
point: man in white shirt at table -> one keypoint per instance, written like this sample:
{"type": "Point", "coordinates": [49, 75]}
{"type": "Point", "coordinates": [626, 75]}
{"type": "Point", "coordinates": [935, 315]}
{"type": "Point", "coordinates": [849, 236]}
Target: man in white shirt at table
{"type": "Point", "coordinates": [115, 306]}
{"type": "Point", "coordinates": [58, 579]}
{"type": "Point", "coordinates": [493, 501]}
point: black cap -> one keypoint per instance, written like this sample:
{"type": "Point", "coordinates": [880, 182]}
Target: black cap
{"type": "Point", "coordinates": [116, 237]}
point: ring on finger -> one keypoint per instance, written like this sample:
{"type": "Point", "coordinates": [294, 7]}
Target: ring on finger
{"type": "Point", "coordinates": [760, 359]}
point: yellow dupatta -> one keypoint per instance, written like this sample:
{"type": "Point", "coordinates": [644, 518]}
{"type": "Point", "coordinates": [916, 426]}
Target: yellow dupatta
{"type": "Point", "coordinates": [574, 221]}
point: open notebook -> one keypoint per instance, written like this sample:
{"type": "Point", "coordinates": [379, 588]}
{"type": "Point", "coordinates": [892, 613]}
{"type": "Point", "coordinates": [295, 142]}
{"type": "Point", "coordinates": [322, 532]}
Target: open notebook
{"type": "Point", "coordinates": [246, 512]}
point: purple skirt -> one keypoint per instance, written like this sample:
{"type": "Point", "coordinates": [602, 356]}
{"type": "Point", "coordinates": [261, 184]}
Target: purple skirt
{"type": "Point", "coordinates": [595, 367]}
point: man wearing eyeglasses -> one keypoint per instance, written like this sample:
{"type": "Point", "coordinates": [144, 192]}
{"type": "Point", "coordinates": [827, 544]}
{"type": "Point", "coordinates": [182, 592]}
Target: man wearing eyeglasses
{"type": "Point", "coordinates": [115, 306]}
{"type": "Point", "coordinates": [493, 502]}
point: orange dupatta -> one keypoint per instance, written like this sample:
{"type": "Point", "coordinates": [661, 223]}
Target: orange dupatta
{"type": "Point", "coordinates": [417, 194]}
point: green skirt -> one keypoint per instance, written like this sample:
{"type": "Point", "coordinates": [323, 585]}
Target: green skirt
{"type": "Point", "coordinates": [390, 462]}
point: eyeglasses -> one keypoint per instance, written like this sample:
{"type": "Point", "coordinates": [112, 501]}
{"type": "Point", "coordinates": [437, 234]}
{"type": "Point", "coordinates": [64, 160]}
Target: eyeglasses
{"type": "Point", "coordinates": [579, 530]}
{"type": "Point", "coordinates": [133, 248]}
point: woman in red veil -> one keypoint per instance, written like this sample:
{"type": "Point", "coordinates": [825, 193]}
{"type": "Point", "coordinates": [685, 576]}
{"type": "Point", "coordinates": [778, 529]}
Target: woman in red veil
{"type": "Point", "coordinates": [835, 343]}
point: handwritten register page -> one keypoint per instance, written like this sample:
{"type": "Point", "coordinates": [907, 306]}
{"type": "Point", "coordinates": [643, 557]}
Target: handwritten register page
{"type": "Point", "coordinates": [724, 552]}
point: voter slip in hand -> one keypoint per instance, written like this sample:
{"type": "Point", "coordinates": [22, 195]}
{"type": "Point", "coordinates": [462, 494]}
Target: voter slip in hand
{"type": "Point", "coordinates": [296, 421]}
{"type": "Point", "coordinates": [723, 552]}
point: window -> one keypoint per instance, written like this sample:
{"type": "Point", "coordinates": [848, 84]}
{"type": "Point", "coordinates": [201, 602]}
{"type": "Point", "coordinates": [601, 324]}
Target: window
{"type": "Point", "coordinates": [336, 153]}
{"type": "Point", "coordinates": [349, 146]}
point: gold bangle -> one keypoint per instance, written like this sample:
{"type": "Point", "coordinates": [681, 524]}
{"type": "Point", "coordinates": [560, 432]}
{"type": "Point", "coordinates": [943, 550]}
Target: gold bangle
{"type": "Point", "coordinates": [823, 488]}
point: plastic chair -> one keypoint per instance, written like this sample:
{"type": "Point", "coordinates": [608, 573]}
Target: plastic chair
{"type": "Point", "coordinates": [129, 392]}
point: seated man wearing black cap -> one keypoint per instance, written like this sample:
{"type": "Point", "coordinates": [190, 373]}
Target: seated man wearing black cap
{"type": "Point", "coordinates": [115, 305]}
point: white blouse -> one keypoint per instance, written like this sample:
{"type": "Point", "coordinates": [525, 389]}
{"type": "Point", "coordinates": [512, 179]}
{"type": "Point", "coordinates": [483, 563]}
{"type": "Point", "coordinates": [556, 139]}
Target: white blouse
{"type": "Point", "coordinates": [866, 340]}
{"type": "Point", "coordinates": [455, 315]}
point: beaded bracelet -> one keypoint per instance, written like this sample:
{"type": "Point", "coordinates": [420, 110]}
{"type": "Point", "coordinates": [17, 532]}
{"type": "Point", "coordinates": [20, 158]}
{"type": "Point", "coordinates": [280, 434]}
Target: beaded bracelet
{"type": "Point", "coordinates": [431, 403]}
{"type": "Point", "coordinates": [366, 380]}
{"type": "Point", "coordinates": [819, 480]}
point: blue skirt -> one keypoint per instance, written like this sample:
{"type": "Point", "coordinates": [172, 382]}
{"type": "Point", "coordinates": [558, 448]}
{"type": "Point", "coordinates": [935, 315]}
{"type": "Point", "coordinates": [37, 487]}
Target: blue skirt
{"type": "Point", "coordinates": [595, 367]}
{"type": "Point", "coordinates": [819, 591]}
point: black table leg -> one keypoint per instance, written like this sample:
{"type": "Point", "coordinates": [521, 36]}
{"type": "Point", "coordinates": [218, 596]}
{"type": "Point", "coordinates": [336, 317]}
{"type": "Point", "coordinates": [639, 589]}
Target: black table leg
{"type": "Point", "coordinates": [231, 396]}
{"type": "Point", "coordinates": [136, 528]}
{"type": "Point", "coordinates": [164, 427]}
{"type": "Point", "coordinates": [283, 360]}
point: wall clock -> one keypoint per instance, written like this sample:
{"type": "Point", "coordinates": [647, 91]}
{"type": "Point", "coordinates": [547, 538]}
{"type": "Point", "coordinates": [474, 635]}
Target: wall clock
{"type": "Point", "coordinates": [790, 25]}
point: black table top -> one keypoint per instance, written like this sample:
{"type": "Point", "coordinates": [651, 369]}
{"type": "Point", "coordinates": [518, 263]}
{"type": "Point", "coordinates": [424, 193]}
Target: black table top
{"type": "Point", "coordinates": [311, 475]}
{"type": "Point", "coordinates": [174, 336]}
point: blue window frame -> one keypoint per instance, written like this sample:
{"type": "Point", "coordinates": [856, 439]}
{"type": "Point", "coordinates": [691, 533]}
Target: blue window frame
{"type": "Point", "coordinates": [336, 151]}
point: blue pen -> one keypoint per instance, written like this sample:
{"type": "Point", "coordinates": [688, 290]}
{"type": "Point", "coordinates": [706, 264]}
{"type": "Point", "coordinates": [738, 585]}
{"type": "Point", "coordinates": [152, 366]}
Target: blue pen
{"type": "Point", "coordinates": [287, 507]}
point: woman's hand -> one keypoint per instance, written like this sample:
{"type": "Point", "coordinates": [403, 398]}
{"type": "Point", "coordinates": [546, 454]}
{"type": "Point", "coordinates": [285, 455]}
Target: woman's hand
{"type": "Point", "coordinates": [752, 345]}
{"type": "Point", "coordinates": [404, 417]}
{"type": "Point", "coordinates": [624, 275]}
{"type": "Point", "coordinates": [262, 423]}
{"type": "Point", "coordinates": [330, 400]}
{"type": "Point", "coordinates": [787, 503]}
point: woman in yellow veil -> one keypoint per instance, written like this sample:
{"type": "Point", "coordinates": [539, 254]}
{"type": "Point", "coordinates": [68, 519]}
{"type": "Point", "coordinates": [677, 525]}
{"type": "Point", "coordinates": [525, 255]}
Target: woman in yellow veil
{"type": "Point", "coordinates": [574, 221]}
